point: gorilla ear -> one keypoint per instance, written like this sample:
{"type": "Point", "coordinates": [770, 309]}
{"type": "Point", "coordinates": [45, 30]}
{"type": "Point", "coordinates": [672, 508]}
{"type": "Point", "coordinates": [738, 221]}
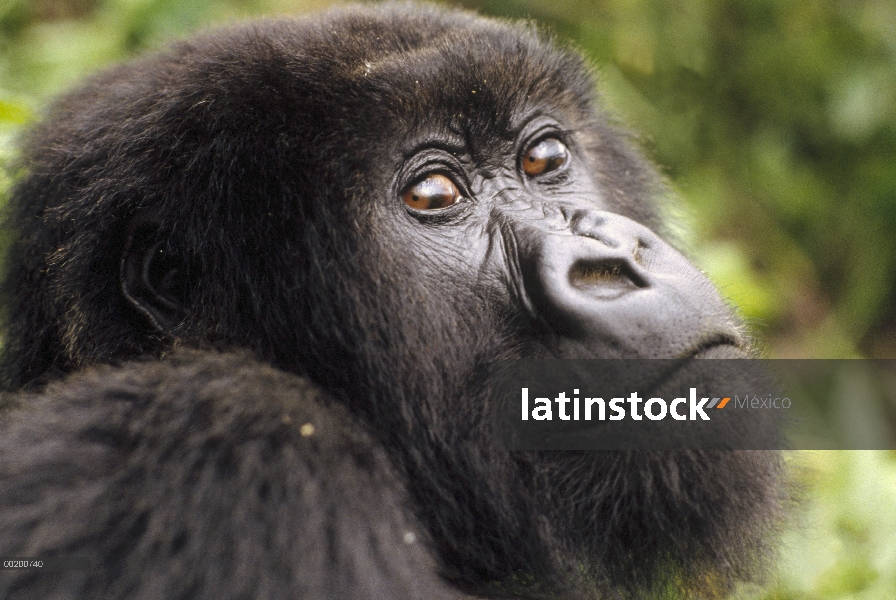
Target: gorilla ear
{"type": "Point", "coordinates": [153, 279]}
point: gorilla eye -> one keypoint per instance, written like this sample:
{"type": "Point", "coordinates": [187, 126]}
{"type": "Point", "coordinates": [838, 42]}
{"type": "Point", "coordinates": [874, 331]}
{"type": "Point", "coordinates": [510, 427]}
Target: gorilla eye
{"type": "Point", "coordinates": [547, 155]}
{"type": "Point", "coordinates": [434, 192]}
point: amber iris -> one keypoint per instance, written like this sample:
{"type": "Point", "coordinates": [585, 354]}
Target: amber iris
{"type": "Point", "coordinates": [432, 193]}
{"type": "Point", "coordinates": [545, 156]}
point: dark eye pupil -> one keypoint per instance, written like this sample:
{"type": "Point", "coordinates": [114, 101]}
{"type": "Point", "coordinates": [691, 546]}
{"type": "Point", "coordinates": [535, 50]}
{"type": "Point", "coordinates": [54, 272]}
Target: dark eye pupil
{"type": "Point", "coordinates": [545, 156]}
{"type": "Point", "coordinates": [432, 193]}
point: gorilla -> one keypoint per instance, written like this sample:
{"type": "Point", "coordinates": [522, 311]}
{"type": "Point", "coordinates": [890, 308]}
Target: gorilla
{"type": "Point", "coordinates": [256, 287]}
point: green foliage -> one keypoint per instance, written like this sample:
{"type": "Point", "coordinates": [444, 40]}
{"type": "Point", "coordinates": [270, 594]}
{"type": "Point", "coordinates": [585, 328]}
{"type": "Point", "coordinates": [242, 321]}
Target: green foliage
{"type": "Point", "coordinates": [841, 542]}
{"type": "Point", "coordinates": [12, 116]}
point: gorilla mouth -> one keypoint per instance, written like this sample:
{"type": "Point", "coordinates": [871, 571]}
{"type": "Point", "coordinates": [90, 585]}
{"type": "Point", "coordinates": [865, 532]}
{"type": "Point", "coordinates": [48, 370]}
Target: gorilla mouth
{"type": "Point", "coordinates": [607, 279]}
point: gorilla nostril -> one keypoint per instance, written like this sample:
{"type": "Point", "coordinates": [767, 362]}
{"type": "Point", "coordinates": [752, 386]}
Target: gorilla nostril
{"type": "Point", "coordinates": [606, 279]}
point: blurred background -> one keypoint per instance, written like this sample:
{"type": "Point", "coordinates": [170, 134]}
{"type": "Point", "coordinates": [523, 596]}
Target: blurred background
{"type": "Point", "coordinates": [775, 124]}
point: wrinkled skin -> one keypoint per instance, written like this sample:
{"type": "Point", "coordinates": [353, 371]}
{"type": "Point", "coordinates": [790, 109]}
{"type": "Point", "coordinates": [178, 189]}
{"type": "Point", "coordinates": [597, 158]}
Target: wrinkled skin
{"type": "Point", "coordinates": [255, 189]}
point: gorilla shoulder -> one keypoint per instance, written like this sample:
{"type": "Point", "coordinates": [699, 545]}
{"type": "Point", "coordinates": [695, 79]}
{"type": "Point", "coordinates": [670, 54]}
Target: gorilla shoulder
{"type": "Point", "coordinates": [135, 467]}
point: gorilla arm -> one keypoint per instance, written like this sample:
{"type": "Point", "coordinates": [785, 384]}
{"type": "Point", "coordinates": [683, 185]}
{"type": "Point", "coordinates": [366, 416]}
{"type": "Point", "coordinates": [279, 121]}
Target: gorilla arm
{"type": "Point", "coordinates": [203, 476]}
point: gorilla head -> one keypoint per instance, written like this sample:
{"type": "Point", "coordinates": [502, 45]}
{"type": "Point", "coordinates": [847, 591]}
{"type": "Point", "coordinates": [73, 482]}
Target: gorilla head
{"type": "Point", "coordinates": [387, 201]}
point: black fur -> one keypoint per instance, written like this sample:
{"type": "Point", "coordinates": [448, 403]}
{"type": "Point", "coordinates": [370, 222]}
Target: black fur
{"type": "Point", "coordinates": [134, 468]}
{"type": "Point", "coordinates": [262, 168]}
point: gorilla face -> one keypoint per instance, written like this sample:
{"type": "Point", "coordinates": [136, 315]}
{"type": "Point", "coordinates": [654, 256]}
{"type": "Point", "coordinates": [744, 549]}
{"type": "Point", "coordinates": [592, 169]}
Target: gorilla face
{"type": "Point", "coordinates": [537, 233]}
{"type": "Point", "coordinates": [388, 201]}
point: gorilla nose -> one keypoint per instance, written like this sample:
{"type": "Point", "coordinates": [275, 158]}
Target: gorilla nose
{"type": "Point", "coordinates": [612, 284]}
{"type": "Point", "coordinates": [604, 270]}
